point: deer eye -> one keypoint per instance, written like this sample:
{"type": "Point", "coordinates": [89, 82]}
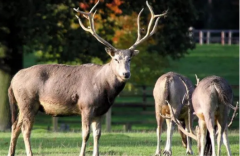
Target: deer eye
{"type": "Point", "coordinates": [116, 60]}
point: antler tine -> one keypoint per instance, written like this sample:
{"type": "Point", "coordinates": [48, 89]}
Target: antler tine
{"type": "Point", "coordinates": [138, 23]}
{"type": "Point", "coordinates": [172, 114]}
{"type": "Point", "coordinates": [184, 97]}
{"type": "Point", "coordinates": [187, 90]}
{"type": "Point", "coordinates": [173, 118]}
{"type": "Point", "coordinates": [94, 7]}
{"type": "Point", "coordinates": [155, 25]}
{"type": "Point", "coordinates": [197, 79]}
{"type": "Point", "coordinates": [81, 24]}
{"type": "Point", "coordinates": [234, 114]}
{"type": "Point", "coordinates": [153, 16]}
{"type": "Point", "coordinates": [91, 29]}
{"type": "Point", "coordinates": [148, 34]}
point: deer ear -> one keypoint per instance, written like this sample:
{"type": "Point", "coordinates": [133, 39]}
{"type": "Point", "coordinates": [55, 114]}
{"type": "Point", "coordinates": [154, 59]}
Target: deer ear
{"type": "Point", "coordinates": [134, 52]}
{"type": "Point", "coordinates": [110, 51]}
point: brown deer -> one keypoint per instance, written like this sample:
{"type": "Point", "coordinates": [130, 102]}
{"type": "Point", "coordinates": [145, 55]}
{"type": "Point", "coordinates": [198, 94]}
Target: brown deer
{"type": "Point", "coordinates": [170, 89]}
{"type": "Point", "coordinates": [211, 100]}
{"type": "Point", "coordinates": [88, 90]}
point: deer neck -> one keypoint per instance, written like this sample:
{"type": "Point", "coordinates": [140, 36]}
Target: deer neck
{"type": "Point", "coordinates": [111, 83]}
{"type": "Point", "coordinates": [113, 78]}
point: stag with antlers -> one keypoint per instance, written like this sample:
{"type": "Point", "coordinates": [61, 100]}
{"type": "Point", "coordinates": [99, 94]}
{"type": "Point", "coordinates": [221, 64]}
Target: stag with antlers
{"type": "Point", "coordinates": [212, 100]}
{"type": "Point", "coordinates": [87, 90]}
{"type": "Point", "coordinates": [170, 90]}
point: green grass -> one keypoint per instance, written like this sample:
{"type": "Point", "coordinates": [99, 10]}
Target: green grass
{"type": "Point", "coordinates": [208, 60]}
{"type": "Point", "coordinates": [111, 144]}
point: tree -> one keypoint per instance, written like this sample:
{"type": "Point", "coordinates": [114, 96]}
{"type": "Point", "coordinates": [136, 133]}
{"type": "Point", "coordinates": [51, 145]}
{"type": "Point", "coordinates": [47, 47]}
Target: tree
{"type": "Point", "coordinates": [217, 14]}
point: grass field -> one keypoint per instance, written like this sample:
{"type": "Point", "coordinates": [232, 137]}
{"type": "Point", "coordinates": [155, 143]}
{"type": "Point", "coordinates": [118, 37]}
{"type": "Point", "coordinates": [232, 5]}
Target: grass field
{"type": "Point", "coordinates": [208, 60]}
{"type": "Point", "coordinates": [111, 144]}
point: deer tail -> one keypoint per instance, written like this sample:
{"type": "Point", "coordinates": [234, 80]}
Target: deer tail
{"type": "Point", "coordinates": [13, 106]}
{"type": "Point", "coordinates": [166, 89]}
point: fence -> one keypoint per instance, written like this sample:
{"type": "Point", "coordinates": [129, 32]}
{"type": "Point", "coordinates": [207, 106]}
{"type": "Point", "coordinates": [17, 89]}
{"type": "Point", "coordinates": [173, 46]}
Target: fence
{"type": "Point", "coordinates": [145, 105]}
{"type": "Point", "coordinates": [215, 36]}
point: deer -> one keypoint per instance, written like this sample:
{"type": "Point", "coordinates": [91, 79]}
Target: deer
{"type": "Point", "coordinates": [87, 90]}
{"type": "Point", "coordinates": [169, 89]}
{"type": "Point", "coordinates": [211, 100]}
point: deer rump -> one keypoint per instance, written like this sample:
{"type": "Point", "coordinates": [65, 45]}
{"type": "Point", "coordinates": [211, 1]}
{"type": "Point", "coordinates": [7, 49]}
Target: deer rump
{"type": "Point", "coordinates": [219, 92]}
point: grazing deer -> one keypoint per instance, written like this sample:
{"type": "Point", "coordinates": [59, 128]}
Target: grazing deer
{"type": "Point", "coordinates": [170, 89]}
{"type": "Point", "coordinates": [211, 100]}
{"type": "Point", "coordinates": [88, 90]}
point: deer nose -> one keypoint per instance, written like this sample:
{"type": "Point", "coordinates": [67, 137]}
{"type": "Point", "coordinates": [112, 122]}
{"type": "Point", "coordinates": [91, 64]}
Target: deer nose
{"type": "Point", "coordinates": [126, 75]}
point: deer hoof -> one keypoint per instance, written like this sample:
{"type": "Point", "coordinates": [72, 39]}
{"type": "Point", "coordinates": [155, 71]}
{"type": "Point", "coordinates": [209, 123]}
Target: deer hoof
{"type": "Point", "coordinates": [189, 152]}
{"type": "Point", "coordinates": [158, 153]}
{"type": "Point", "coordinates": [167, 153]}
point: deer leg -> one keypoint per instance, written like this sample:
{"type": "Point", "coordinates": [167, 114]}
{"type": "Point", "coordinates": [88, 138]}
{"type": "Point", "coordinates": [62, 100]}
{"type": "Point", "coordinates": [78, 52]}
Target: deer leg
{"type": "Point", "coordinates": [168, 150]}
{"type": "Point", "coordinates": [210, 126]}
{"type": "Point", "coordinates": [189, 140]}
{"type": "Point", "coordinates": [219, 137]}
{"type": "Point", "coordinates": [203, 133]}
{"type": "Point", "coordinates": [225, 141]}
{"type": "Point", "coordinates": [85, 132]}
{"type": "Point", "coordinates": [159, 132]}
{"type": "Point", "coordinates": [16, 129]}
{"type": "Point", "coordinates": [183, 136]}
{"type": "Point", "coordinates": [26, 131]}
{"type": "Point", "coordinates": [96, 128]}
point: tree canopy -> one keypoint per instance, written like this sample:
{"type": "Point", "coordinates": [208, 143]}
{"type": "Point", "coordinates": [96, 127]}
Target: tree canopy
{"type": "Point", "coordinates": [52, 28]}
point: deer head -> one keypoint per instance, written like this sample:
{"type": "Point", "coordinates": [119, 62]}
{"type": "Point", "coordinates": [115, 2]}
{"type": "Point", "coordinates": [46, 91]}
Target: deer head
{"type": "Point", "coordinates": [121, 58]}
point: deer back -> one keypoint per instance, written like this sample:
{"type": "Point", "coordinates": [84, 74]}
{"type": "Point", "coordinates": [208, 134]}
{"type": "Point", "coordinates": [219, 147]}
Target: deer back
{"type": "Point", "coordinates": [212, 93]}
{"type": "Point", "coordinates": [170, 87]}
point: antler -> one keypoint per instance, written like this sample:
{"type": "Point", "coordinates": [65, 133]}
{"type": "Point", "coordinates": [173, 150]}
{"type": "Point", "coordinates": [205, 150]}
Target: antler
{"type": "Point", "coordinates": [187, 90]}
{"type": "Point", "coordinates": [173, 118]}
{"type": "Point", "coordinates": [148, 34]}
{"type": "Point", "coordinates": [234, 114]}
{"type": "Point", "coordinates": [197, 79]}
{"type": "Point", "coordinates": [188, 105]}
{"type": "Point", "coordinates": [91, 29]}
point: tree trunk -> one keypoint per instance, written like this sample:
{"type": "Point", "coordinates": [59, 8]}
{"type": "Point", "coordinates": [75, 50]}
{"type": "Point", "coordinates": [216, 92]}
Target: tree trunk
{"type": "Point", "coordinates": [4, 104]}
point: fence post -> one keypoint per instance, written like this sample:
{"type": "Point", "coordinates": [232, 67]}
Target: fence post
{"type": "Point", "coordinates": [55, 123]}
{"type": "Point", "coordinates": [222, 38]}
{"type": "Point", "coordinates": [208, 37]}
{"type": "Point", "coordinates": [108, 120]}
{"type": "Point", "coordinates": [200, 37]}
{"type": "Point", "coordinates": [229, 37]}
